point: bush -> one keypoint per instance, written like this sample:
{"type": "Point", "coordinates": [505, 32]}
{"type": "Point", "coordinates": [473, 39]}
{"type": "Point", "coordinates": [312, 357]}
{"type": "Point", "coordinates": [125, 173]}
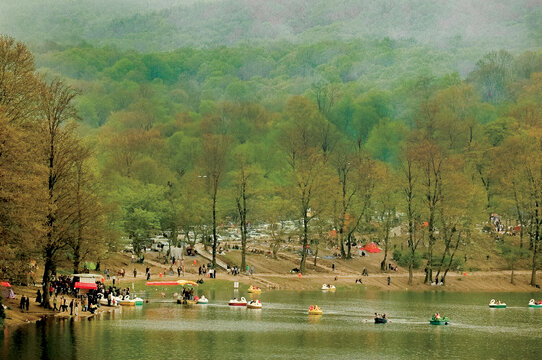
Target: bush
{"type": "Point", "coordinates": [403, 258]}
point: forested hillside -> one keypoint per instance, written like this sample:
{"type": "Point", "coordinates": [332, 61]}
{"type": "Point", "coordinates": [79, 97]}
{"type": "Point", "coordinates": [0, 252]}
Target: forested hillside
{"type": "Point", "coordinates": [147, 25]}
{"type": "Point", "coordinates": [348, 117]}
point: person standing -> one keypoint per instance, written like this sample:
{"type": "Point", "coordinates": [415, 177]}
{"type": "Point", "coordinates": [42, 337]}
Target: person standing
{"type": "Point", "coordinates": [389, 280]}
{"type": "Point", "coordinates": [148, 275]}
{"type": "Point", "coordinates": [55, 308]}
{"type": "Point", "coordinates": [252, 270]}
{"type": "Point", "coordinates": [38, 297]}
{"type": "Point", "coordinates": [71, 307]}
{"type": "Point", "coordinates": [333, 267]}
{"type": "Point", "coordinates": [22, 303]}
{"type": "Point", "coordinates": [76, 309]}
{"type": "Point", "coordinates": [27, 303]}
{"type": "Point", "coordinates": [135, 272]}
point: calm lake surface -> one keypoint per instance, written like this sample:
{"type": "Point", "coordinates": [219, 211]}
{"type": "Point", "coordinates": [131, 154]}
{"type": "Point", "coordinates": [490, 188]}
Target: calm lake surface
{"type": "Point", "coordinates": [283, 330]}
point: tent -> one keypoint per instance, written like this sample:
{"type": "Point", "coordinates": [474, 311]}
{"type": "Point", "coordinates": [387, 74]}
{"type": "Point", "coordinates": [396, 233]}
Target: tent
{"type": "Point", "coordinates": [6, 291]}
{"type": "Point", "coordinates": [85, 285]}
{"type": "Point", "coordinates": [371, 248]}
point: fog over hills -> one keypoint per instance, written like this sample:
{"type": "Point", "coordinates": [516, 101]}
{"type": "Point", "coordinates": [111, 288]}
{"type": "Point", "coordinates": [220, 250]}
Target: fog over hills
{"type": "Point", "coordinates": [165, 25]}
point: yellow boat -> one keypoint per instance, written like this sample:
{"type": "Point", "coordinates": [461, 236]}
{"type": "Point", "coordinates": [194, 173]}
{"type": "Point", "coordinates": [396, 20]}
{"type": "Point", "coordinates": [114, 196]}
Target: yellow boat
{"type": "Point", "coordinates": [254, 290]}
{"type": "Point", "coordinates": [315, 310]}
{"type": "Point", "coordinates": [186, 301]}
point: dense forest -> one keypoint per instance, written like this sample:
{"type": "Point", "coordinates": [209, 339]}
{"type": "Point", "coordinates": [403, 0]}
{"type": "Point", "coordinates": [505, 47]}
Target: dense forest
{"type": "Point", "coordinates": [194, 118]}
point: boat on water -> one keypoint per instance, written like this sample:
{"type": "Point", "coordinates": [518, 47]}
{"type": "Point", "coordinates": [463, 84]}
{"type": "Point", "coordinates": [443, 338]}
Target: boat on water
{"type": "Point", "coordinates": [437, 319]}
{"type": "Point", "coordinates": [535, 304]}
{"type": "Point", "coordinates": [254, 290]}
{"type": "Point", "coordinates": [328, 287]}
{"type": "Point", "coordinates": [254, 304]}
{"type": "Point", "coordinates": [381, 320]}
{"type": "Point", "coordinates": [126, 301]}
{"type": "Point", "coordinates": [238, 302]}
{"type": "Point", "coordinates": [182, 301]}
{"type": "Point", "coordinates": [202, 300]}
{"type": "Point", "coordinates": [497, 304]}
{"type": "Point", "coordinates": [104, 302]}
{"type": "Point", "coordinates": [315, 310]}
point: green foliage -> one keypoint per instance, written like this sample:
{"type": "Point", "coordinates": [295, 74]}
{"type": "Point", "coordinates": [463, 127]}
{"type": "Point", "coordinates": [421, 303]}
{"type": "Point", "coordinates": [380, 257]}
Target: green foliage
{"type": "Point", "coordinates": [403, 258]}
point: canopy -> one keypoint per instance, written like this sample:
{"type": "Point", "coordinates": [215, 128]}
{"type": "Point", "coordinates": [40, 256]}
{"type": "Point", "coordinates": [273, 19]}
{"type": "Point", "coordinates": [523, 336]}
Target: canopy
{"type": "Point", "coordinates": [5, 283]}
{"type": "Point", "coordinates": [371, 248]}
{"type": "Point", "coordinates": [172, 283]}
{"type": "Point", "coordinates": [82, 285]}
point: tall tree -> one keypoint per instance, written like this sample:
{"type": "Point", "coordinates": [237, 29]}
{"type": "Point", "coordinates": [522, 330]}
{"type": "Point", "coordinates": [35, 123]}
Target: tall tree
{"type": "Point", "coordinates": [301, 142]}
{"type": "Point", "coordinates": [89, 222]}
{"type": "Point", "coordinates": [57, 110]}
{"type": "Point", "coordinates": [214, 157]}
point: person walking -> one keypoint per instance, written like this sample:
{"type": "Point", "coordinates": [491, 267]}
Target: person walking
{"type": "Point", "coordinates": [38, 297]}
{"type": "Point", "coordinates": [252, 270]}
{"type": "Point", "coordinates": [55, 308]}
{"type": "Point", "coordinates": [135, 272]}
{"type": "Point", "coordinates": [27, 303]}
{"type": "Point", "coordinates": [148, 275]}
{"type": "Point", "coordinates": [22, 303]}
{"type": "Point", "coordinates": [389, 280]}
{"type": "Point", "coordinates": [71, 307]}
{"type": "Point", "coordinates": [332, 267]}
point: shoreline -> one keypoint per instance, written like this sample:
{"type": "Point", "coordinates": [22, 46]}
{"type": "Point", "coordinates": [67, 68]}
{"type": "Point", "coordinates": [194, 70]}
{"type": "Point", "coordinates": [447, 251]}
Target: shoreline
{"type": "Point", "coordinates": [481, 281]}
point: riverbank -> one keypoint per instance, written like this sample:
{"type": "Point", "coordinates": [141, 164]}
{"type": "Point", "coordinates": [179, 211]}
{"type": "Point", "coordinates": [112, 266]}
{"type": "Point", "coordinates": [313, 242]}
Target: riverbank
{"type": "Point", "coordinates": [16, 317]}
{"type": "Point", "coordinates": [273, 274]}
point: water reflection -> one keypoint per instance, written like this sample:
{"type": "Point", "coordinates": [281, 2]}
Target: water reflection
{"type": "Point", "coordinates": [282, 329]}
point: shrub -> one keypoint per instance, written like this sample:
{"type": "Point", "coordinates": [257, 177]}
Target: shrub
{"type": "Point", "coordinates": [403, 258]}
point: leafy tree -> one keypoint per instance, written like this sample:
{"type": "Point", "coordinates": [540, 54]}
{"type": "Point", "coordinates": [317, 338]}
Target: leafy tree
{"type": "Point", "coordinates": [214, 157]}
{"type": "Point", "coordinates": [301, 142]}
{"type": "Point", "coordinates": [60, 150]}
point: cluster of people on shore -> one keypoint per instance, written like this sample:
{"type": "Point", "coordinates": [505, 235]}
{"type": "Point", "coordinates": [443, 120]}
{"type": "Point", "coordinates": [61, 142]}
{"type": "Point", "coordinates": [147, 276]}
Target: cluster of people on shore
{"type": "Point", "coordinates": [233, 270]}
{"type": "Point", "coordinates": [62, 285]}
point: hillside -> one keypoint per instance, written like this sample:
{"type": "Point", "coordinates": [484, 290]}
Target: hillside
{"type": "Point", "coordinates": [165, 25]}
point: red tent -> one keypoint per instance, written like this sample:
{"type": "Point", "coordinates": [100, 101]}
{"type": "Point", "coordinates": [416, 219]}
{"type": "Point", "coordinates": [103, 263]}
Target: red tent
{"type": "Point", "coordinates": [371, 248]}
{"type": "Point", "coordinates": [81, 285]}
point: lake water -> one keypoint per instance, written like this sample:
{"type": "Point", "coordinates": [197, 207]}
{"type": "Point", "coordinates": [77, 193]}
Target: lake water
{"type": "Point", "coordinates": [283, 330]}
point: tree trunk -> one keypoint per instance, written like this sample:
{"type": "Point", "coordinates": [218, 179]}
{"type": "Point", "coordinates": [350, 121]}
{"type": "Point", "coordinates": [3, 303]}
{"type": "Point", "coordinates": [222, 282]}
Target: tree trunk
{"type": "Point", "coordinates": [76, 258]}
{"type": "Point", "coordinates": [534, 264]}
{"type": "Point", "coordinates": [47, 275]}
{"type": "Point", "coordinates": [215, 240]}
{"type": "Point", "coordinates": [305, 242]}
{"type": "Point", "coordinates": [535, 242]}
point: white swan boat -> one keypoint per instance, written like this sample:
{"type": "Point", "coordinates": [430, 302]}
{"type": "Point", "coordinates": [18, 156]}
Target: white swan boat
{"type": "Point", "coordinates": [328, 287]}
{"type": "Point", "coordinates": [203, 300]}
{"type": "Point", "coordinates": [104, 302]}
{"type": "Point", "coordinates": [238, 302]}
{"type": "Point", "coordinates": [254, 304]}
{"type": "Point", "coordinates": [535, 304]}
{"type": "Point", "coordinates": [497, 304]}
